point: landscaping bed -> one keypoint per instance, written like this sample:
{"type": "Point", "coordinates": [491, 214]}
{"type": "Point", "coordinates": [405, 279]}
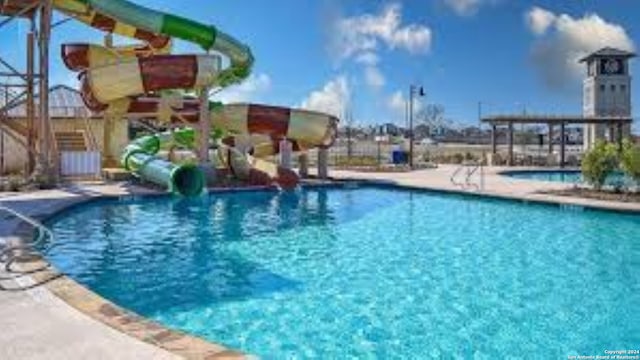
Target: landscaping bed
{"type": "Point", "coordinates": [627, 197]}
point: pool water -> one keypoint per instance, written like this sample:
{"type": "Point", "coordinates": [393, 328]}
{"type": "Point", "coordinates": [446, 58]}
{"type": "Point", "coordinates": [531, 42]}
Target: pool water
{"type": "Point", "coordinates": [565, 176]}
{"type": "Point", "coordinates": [365, 273]}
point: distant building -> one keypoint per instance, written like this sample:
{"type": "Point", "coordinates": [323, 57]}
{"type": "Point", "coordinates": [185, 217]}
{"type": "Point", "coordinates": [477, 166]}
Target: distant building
{"type": "Point", "coordinates": [390, 129]}
{"type": "Point", "coordinates": [606, 91]}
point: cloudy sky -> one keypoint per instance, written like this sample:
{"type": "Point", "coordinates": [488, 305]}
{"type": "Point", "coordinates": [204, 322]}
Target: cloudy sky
{"type": "Point", "coordinates": [360, 56]}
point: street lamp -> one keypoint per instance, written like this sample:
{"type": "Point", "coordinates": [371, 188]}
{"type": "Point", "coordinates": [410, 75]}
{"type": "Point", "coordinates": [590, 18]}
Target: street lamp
{"type": "Point", "coordinates": [413, 91]}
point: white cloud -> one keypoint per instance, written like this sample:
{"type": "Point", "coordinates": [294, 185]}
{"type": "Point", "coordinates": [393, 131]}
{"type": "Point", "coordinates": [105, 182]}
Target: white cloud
{"type": "Point", "coordinates": [332, 99]}
{"type": "Point", "coordinates": [368, 58]}
{"type": "Point", "coordinates": [374, 77]}
{"type": "Point", "coordinates": [249, 90]}
{"type": "Point", "coordinates": [539, 20]}
{"type": "Point", "coordinates": [468, 7]}
{"type": "Point", "coordinates": [464, 7]}
{"type": "Point", "coordinates": [563, 40]}
{"type": "Point", "coordinates": [361, 39]}
{"type": "Point", "coordinates": [356, 35]}
{"type": "Point", "coordinates": [397, 103]}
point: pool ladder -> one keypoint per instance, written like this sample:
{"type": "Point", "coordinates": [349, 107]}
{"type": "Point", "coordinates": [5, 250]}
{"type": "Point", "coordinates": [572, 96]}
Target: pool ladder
{"type": "Point", "coordinates": [26, 250]}
{"type": "Point", "coordinates": [469, 169]}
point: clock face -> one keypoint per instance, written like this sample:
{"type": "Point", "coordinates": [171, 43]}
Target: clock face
{"type": "Point", "coordinates": [611, 67]}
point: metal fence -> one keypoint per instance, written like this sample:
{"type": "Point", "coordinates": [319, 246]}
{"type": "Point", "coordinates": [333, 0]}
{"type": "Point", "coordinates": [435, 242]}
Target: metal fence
{"type": "Point", "coordinates": [80, 163]}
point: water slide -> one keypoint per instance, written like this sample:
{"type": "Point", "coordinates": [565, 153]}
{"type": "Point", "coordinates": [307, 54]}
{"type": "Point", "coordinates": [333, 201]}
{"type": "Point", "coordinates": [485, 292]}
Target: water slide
{"type": "Point", "coordinates": [137, 80]}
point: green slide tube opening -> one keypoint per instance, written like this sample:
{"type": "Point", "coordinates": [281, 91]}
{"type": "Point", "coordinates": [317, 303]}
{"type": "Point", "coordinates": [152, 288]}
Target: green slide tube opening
{"type": "Point", "coordinates": [139, 158]}
{"type": "Point", "coordinates": [187, 180]}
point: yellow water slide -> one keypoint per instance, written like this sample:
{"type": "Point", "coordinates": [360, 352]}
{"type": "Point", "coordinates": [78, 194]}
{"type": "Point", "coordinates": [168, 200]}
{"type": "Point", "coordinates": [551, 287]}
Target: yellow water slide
{"type": "Point", "coordinates": [133, 80]}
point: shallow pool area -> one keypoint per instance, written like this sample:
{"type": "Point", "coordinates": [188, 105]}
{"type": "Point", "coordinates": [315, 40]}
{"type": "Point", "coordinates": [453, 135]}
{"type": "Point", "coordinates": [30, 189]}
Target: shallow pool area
{"type": "Point", "coordinates": [373, 272]}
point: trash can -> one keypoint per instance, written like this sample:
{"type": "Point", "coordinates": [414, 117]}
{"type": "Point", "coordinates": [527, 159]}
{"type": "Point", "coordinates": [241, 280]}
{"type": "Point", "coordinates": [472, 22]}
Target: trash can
{"type": "Point", "coordinates": [399, 157]}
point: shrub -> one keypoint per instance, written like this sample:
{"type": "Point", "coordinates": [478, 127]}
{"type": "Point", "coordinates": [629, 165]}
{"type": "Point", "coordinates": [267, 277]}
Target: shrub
{"type": "Point", "coordinates": [457, 158]}
{"type": "Point", "coordinates": [599, 163]}
{"type": "Point", "coordinates": [469, 156]}
{"type": "Point", "coordinates": [630, 160]}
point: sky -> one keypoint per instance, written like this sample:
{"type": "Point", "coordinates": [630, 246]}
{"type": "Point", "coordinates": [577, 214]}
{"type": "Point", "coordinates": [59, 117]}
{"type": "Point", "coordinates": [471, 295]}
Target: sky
{"type": "Point", "coordinates": [359, 57]}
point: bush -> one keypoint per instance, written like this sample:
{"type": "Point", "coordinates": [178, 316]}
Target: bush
{"type": "Point", "coordinates": [599, 163]}
{"type": "Point", "coordinates": [457, 158]}
{"type": "Point", "coordinates": [630, 160]}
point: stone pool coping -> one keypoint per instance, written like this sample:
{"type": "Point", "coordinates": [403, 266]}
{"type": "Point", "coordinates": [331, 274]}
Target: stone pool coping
{"type": "Point", "coordinates": [192, 347]}
{"type": "Point", "coordinates": [497, 186]}
{"type": "Point", "coordinates": [44, 274]}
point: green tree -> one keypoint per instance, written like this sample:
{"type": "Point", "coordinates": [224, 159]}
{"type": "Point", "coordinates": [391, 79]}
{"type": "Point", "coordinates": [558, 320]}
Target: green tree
{"type": "Point", "coordinates": [599, 163]}
{"type": "Point", "coordinates": [630, 160]}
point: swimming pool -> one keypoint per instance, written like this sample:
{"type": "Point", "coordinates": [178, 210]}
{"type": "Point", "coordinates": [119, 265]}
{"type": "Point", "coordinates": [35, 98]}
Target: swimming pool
{"type": "Point", "coordinates": [369, 272]}
{"type": "Point", "coordinates": [565, 176]}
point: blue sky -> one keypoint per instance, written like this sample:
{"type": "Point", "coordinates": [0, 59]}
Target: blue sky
{"type": "Point", "coordinates": [361, 55]}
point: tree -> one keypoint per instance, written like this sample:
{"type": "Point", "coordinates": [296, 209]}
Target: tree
{"type": "Point", "coordinates": [630, 160]}
{"type": "Point", "coordinates": [432, 116]}
{"type": "Point", "coordinates": [599, 163]}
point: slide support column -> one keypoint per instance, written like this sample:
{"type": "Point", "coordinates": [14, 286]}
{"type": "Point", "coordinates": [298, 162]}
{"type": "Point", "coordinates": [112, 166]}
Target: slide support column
{"type": "Point", "coordinates": [323, 163]}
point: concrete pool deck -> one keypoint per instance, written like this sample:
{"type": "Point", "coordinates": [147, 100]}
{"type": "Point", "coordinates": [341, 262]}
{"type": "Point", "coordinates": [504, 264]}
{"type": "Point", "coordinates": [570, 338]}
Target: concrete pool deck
{"type": "Point", "coordinates": [495, 185]}
{"type": "Point", "coordinates": [44, 322]}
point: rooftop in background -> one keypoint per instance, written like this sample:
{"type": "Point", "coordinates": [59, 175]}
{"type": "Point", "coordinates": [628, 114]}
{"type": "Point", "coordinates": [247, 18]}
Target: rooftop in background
{"type": "Point", "coordinates": [64, 103]}
{"type": "Point", "coordinates": [608, 52]}
{"type": "Point", "coordinates": [24, 8]}
{"type": "Point", "coordinates": [554, 119]}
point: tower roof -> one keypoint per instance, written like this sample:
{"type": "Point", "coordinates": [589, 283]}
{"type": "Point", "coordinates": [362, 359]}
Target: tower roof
{"type": "Point", "coordinates": [608, 52]}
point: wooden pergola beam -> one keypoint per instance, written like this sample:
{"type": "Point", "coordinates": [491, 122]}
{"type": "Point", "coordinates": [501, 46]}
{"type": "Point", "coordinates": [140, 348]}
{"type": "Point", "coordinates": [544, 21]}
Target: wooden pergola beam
{"type": "Point", "coordinates": [542, 120]}
{"type": "Point", "coordinates": [508, 121]}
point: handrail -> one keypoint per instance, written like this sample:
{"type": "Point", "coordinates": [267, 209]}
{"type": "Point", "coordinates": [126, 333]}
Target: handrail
{"type": "Point", "coordinates": [11, 253]}
{"type": "Point", "coordinates": [472, 168]}
{"type": "Point", "coordinates": [455, 175]}
{"type": "Point", "coordinates": [88, 132]}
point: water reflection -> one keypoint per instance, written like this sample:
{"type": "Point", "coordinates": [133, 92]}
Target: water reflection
{"type": "Point", "coordinates": [159, 253]}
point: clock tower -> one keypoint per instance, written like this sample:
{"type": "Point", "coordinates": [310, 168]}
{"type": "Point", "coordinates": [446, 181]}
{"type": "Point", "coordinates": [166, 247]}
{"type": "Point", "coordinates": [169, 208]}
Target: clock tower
{"type": "Point", "coordinates": [606, 91]}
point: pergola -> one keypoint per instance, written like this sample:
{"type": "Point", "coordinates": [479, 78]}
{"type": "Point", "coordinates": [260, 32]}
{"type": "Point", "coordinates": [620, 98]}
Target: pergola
{"type": "Point", "coordinates": [508, 121]}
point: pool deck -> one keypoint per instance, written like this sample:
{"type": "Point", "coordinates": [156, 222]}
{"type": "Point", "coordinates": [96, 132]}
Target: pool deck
{"type": "Point", "coordinates": [62, 320]}
{"type": "Point", "coordinates": [495, 185]}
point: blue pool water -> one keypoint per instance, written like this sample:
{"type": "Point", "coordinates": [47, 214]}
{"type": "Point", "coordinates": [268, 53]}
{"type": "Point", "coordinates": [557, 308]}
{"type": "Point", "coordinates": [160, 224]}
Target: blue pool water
{"type": "Point", "coordinates": [365, 273]}
{"type": "Point", "coordinates": [565, 176]}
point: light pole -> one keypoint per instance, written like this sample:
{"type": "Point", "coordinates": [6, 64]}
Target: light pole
{"type": "Point", "coordinates": [413, 91]}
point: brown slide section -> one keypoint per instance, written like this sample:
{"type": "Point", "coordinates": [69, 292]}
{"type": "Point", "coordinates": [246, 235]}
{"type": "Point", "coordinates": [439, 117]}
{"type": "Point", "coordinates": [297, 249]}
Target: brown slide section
{"type": "Point", "coordinates": [168, 72]}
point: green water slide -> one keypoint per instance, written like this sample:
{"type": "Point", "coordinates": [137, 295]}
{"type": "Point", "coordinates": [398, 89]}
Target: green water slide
{"type": "Point", "coordinates": [140, 156]}
{"type": "Point", "coordinates": [207, 36]}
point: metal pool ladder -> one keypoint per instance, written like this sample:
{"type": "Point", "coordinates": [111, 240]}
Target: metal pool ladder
{"type": "Point", "coordinates": [12, 253]}
{"type": "Point", "coordinates": [469, 169]}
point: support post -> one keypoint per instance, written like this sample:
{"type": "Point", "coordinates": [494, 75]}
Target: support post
{"type": "Point", "coordinates": [612, 133]}
{"type": "Point", "coordinates": [510, 135]}
{"type": "Point", "coordinates": [47, 158]}
{"type": "Point", "coordinates": [108, 118]}
{"type": "Point", "coordinates": [323, 163]}
{"type": "Point", "coordinates": [31, 111]}
{"type": "Point", "coordinates": [286, 152]}
{"type": "Point", "coordinates": [303, 165]}
{"type": "Point", "coordinates": [494, 139]}
{"type": "Point", "coordinates": [108, 160]}
{"type": "Point", "coordinates": [620, 137]}
{"type": "Point", "coordinates": [411, 139]}
{"type": "Point", "coordinates": [563, 144]}
{"type": "Point", "coordinates": [205, 127]}
{"type": "Point", "coordinates": [550, 138]}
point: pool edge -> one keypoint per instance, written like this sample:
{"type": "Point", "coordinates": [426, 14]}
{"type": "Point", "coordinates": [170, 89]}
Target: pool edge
{"type": "Point", "coordinates": [190, 346]}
